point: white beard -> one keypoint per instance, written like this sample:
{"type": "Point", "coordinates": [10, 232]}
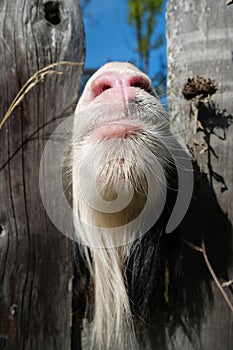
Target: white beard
{"type": "Point", "coordinates": [105, 175]}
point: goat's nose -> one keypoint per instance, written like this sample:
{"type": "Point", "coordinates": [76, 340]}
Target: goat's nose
{"type": "Point", "coordinates": [112, 80]}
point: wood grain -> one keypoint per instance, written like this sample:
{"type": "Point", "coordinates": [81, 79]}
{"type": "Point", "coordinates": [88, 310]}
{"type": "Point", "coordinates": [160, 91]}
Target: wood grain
{"type": "Point", "coordinates": [200, 43]}
{"type": "Point", "coordinates": [35, 260]}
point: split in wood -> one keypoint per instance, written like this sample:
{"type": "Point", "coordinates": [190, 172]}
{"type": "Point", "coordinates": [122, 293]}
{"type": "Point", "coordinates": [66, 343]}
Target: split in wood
{"type": "Point", "coordinates": [13, 311]}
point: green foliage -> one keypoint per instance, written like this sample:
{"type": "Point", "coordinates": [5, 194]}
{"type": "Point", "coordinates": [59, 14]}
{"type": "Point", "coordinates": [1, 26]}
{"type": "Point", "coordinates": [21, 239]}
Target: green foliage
{"type": "Point", "coordinates": [142, 15]}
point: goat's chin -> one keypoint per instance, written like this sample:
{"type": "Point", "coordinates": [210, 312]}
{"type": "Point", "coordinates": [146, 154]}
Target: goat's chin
{"type": "Point", "coordinates": [110, 197]}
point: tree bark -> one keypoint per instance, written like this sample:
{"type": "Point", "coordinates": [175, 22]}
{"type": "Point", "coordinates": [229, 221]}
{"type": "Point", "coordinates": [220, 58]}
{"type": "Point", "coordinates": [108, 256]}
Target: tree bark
{"type": "Point", "coordinates": [200, 43]}
{"type": "Point", "coordinates": [36, 263]}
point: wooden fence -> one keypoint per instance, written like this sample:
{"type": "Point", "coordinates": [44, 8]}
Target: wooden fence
{"type": "Point", "coordinates": [36, 261]}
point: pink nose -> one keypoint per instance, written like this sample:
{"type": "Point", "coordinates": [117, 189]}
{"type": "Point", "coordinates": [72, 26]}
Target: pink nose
{"type": "Point", "coordinates": [108, 81]}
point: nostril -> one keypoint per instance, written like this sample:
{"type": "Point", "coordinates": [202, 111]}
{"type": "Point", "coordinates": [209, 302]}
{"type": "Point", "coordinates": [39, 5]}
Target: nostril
{"type": "Point", "coordinates": [140, 82]}
{"type": "Point", "coordinates": [100, 86]}
{"type": "Point", "coordinates": [104, 86]}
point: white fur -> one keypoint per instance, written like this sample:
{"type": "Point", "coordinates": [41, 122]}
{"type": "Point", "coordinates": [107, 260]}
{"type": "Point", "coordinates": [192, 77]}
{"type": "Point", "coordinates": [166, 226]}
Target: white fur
{"type": "Point", "coordinates": [112, 326]}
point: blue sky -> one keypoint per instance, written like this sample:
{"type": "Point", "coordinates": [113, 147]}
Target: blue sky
{"type": "Point", "coordinates": [109, 37]}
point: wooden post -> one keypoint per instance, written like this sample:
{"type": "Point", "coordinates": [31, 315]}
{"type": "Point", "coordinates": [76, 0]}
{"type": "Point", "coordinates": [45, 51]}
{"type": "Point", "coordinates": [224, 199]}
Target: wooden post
{"type": "Point", "coordinates": [36, 268]}
{"type": "Point", "coordinates": [200, 43]}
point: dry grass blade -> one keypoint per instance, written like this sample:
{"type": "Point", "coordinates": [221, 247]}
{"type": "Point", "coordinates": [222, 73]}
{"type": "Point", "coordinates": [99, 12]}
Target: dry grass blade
{"type": "Point", "coordinates": [35, 79]}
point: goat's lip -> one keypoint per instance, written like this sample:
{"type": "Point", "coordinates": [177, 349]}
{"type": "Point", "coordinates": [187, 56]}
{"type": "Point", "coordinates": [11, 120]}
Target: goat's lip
{"type": "Point", "coordinates": [121, 128]}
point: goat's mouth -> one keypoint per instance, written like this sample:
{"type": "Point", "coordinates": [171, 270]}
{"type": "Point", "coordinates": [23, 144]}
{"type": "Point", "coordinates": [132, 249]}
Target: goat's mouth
{"type": "Point", "coordinates": [122, 128]}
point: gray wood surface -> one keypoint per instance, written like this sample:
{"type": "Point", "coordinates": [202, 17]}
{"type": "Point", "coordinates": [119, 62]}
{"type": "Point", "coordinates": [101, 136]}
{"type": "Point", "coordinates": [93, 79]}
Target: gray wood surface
{"type": "Point", "coordinates": [200, 42]}
{"type": "Point", "coordinates": [36, 268]}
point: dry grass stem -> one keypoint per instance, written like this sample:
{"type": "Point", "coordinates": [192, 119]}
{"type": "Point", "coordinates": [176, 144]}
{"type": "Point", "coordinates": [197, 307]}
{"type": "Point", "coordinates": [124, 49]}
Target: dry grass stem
{"type": "Point", "coordinates": [35, 79]}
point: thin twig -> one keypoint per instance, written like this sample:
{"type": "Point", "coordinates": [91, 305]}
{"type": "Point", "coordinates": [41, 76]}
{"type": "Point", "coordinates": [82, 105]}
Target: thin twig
{"type": "Point", "coordinates": [193, 246]}
{"type": "Point", "coordinates": [202, 249]}
{"type": "Point", "coordinates": [35, 79]}
{"type": "Point", "coordinates": [215, 277]}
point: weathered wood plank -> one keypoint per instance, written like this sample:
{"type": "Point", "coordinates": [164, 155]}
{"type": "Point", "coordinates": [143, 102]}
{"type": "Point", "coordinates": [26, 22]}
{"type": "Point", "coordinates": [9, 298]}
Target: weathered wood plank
{"type": "Point", "coordinates": [200, 42]}
{"type": "Point", "coordinates": [35, 260]}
